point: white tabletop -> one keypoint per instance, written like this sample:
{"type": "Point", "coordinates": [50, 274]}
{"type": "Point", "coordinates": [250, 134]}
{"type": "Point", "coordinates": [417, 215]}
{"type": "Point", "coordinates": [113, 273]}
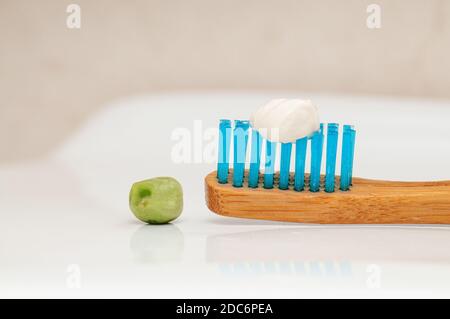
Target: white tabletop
{"type": "Point", "coordinates": [66, 229]}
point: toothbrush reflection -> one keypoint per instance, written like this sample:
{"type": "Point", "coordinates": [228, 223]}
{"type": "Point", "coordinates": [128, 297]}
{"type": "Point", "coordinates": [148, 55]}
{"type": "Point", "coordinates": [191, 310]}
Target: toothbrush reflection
{"type": "Point", "coordinates": [325, 250]}
{"type": "Point", "coordinates": [157, 243]}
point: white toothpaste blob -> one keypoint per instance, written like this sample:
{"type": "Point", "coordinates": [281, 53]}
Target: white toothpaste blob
{"type": "Point", "coordinates": [286, 120]}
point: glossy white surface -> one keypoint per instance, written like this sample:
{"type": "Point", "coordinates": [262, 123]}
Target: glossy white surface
{"type": "Point", "coordinates": [66, 230]}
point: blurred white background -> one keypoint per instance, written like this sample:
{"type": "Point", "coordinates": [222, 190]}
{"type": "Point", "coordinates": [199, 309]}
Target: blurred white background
{"type": "Point", "coordinates": [52, 77]}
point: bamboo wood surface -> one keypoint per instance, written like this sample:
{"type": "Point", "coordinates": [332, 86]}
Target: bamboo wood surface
{"type": "Point", "coordinates": [368, 202]}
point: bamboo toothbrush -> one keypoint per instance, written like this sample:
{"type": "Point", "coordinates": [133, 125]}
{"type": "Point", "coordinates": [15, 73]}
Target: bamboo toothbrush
{"type": "Point", "coordinates": [314, 198]}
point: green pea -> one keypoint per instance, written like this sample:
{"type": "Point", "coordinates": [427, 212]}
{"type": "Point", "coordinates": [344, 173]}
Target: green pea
{"type": "Point", "coordinates": [157, 200]}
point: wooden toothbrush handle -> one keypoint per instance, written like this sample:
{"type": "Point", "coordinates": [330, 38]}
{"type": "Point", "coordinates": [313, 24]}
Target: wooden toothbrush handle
{"type": "Point", "coordinates": [368, 202]}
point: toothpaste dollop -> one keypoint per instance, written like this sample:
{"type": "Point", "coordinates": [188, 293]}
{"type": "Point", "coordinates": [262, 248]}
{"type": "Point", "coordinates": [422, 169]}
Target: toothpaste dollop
{"type": "Point", "coordinates": [286, 120]}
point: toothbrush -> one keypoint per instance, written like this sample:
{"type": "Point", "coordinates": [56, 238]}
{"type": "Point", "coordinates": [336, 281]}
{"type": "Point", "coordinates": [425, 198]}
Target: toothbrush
{"type": "Point", "coordinates": [313, 197]}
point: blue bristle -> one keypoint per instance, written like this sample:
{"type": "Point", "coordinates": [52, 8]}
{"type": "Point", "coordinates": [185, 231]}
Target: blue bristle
{"type": "Point", "coordinates": [269, 169]}
{"type": "Point", "coordinates": [285, 165]}
{"type": "Point", "coordinates": [240, 139]}
{"type": "Point", "coordinates": [224, 151]}
{"type": "Point", "coordinates": [345, 158]}
{"type": "Point", "coordinates": [255, 159]}
{"type": "Point", "coordinates": [321, 146]}
{"type": "Point", "coordinates": [332, 140]}
{"type": "Point", "coordinates": [352, 153]}
{"type": "Point", "coordinates": [300, 159]}
{"type": "Point", "coordinates": [316, 160]}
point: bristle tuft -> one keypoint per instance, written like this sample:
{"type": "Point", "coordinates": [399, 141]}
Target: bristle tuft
{"type": "Point", "coordinates": [298, 180]}
{"type": "Point", "coordinates": [240, 139]}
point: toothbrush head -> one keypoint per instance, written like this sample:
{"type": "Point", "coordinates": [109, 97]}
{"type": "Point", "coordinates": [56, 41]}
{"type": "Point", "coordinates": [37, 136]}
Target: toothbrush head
{"type": "Point", "coordinates": [270, 191]}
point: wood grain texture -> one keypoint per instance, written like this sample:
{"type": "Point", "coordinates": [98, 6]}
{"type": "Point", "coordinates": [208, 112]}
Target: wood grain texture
{"type": "Point", "coordinates": [368, 202]}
